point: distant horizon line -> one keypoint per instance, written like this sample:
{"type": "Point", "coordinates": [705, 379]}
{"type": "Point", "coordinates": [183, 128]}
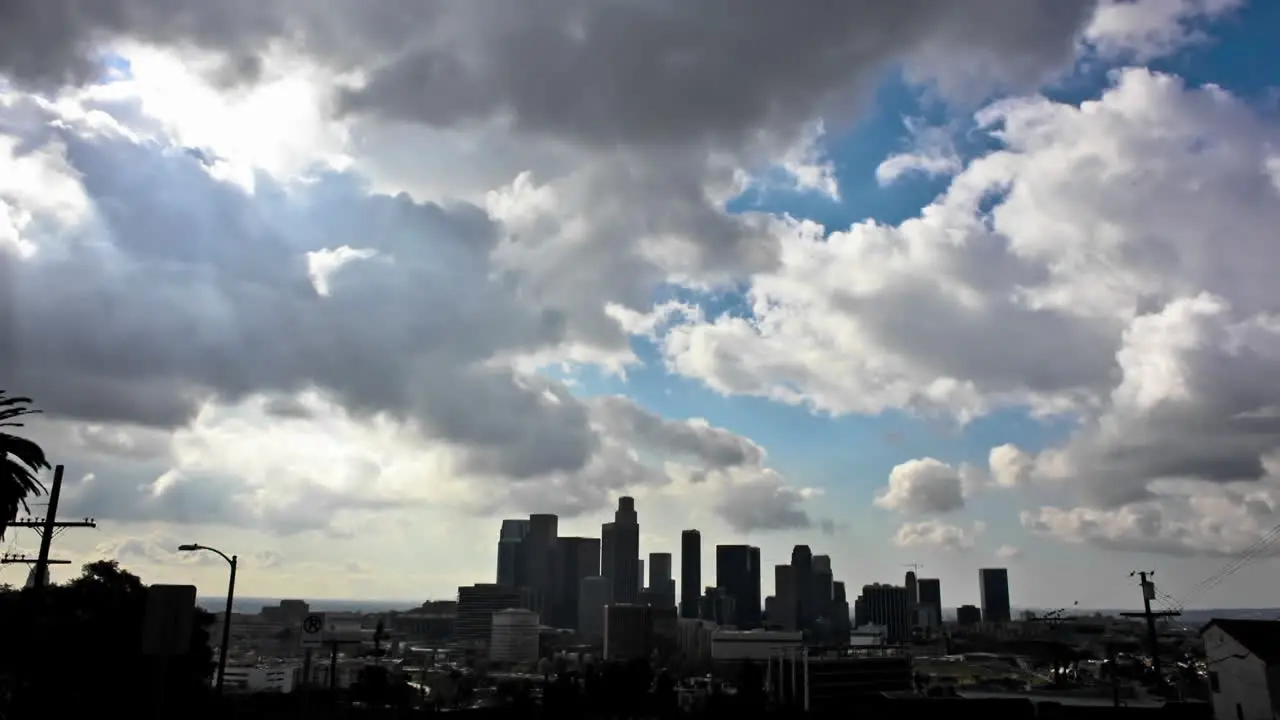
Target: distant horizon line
{"type": "Point", "coordinates": [252, 599]}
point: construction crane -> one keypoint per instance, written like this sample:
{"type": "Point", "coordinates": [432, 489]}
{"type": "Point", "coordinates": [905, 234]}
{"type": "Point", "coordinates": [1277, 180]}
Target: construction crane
{"type": "Point", "coordinates": [1053, 617]}
{"type": "Point", "coordinates": [915, 567]}
{"type": "Point", "coordinates": [1053, 620]}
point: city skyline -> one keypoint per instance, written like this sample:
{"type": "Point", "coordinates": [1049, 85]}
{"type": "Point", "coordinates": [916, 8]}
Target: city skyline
{"type": "Point", "coordinates": [955, 290]}
{"type": "Point", "coordinates": [804, 590]}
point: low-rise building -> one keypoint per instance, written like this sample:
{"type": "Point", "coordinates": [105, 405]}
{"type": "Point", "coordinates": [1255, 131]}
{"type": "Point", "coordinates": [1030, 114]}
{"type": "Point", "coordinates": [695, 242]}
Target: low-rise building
{"type": "Point", "coordinates": [265, 677]}
{"type": "Point", "coordinates": [753, 644]}
{"type": "Point", "coordinates": [693, 638]}
{"type": "Point", "coordinates": [515, 637]}
{"type": "Point", "coordinates": [1243, 660]}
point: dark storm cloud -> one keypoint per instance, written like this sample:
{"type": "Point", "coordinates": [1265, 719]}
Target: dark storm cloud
{"type": "Point", "coordinates": [602, 72]}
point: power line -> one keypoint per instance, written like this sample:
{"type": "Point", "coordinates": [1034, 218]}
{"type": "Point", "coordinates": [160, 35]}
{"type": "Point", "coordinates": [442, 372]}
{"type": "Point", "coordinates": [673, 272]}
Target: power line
{"type": "Point", "coordinates": [1242, 559]}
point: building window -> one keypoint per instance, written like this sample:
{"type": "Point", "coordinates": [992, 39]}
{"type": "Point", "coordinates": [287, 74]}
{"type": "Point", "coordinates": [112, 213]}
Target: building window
{"type": "Point", "coordinates": [1213, 681]}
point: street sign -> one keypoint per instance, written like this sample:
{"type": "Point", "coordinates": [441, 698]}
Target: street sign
{"type": "Point", "coordinates": [166, 627]}
{"type": "Point", "coordinates": [313, 630]}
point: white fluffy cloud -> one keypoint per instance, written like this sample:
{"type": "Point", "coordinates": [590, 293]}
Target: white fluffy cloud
{"type": "Point", "coordinates": [1109, 261]}
{"type": "Point", "coordinates": [1145, 29]}
{"type": "Point", "coordinates": [923, 486]}
{"type": "Point", "coordinates": [1008, 553]}
{"type": "Point", "coordinates": [937, 534]}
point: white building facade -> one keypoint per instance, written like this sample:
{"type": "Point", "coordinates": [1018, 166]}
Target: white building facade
{"type": "Point", "coordinates": [1242, 658]}
{"type": "Point", "coordinates": [281, 678]}
{"type": "Point", "coordinates": [514, 638]}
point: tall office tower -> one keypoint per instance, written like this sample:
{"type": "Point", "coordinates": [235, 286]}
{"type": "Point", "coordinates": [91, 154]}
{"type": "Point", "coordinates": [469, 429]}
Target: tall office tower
{"type": "Point", "coordinates": [593, 596]}
{"type": "Point", "coordinates": [993, 585]}
{"type": "Point", "coordinates": [626, 552]}
{"type": "Point", "coordinates": [660, 579]}
{"type": "Point", "coordinates": [659, 570]}
{"type": "Point", "coordinates": [822, 579]}
{"type": "Point", "coordinates": [512, 569]}
{"type": "Point", "coordinates": [738, 573]}
{"type": "Point", "coordinates": [930, 598]}
{"type": "Point", "coordinates": [476, 606]}
{"type": "Point", "coordinates": [784, 590]}
{"type": "Point", "coordinates": [802, 561]}
{"type": "Point", "coordinates": [540, 543]}
{"type": "Point", "coordinates": [690, 572]}
{"type": "Point", "coordinates": [840, 620]}
{"type": "Point", "coordinates": [822, 588]}
{"type": "Point", "coordinates": [606, 553]}
{"type": "Point", "coordinates": [755, 612]}
{"type": "Point", "coordinates": [886, 605]}
{"type": "Point", "coordinates": [913, 594]}
{"type": "Point", "coordinates": [717, 606]}
{"type": "Point", "coordinates": [576, 558]}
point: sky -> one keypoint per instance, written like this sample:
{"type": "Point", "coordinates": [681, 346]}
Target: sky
{"type": "Point", "coordinates": [912, 283]}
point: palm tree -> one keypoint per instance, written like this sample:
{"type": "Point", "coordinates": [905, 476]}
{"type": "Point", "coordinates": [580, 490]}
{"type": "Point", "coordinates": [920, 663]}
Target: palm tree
{"type": "Point", "coordinates": [20, 460]}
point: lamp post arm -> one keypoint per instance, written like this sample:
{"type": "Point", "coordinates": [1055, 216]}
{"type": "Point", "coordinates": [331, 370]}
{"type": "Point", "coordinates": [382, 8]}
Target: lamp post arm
{"type": "Point", "coordinates": [220, 554]}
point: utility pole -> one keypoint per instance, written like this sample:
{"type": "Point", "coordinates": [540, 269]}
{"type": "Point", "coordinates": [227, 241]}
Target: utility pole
{"type": "Point", "coordinates": [1153, 635]}
{"type": "Point", "coordinates": [48, 526]}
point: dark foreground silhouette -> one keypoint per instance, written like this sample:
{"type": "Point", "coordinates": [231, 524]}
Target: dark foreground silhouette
{"type": "Point", "coordinates": [77, 648]}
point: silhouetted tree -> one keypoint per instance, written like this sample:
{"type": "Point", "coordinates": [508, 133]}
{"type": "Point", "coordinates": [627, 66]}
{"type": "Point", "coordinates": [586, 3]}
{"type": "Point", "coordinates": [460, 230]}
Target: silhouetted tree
{"type": "Point", "coordinates": [76, 649]}
{"type": "Point", "coordinates": [377, 686]}
{"type": "Point", "coordinates": [20, 461]}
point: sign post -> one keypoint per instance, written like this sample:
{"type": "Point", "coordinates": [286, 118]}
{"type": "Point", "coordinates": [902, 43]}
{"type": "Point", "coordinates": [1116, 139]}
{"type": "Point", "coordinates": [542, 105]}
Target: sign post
{"type": "Point", "coordinates": [313, 627]}
{"type": "Point", "coordinates": [318, 630]}
{"type": "Point", "coordinates": [166, 632]}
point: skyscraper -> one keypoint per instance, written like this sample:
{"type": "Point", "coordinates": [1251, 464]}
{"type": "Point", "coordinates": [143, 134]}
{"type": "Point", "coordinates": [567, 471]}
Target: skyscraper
{"type": "Point", "coordinates": [512, 569]}
{"type": "Point", "coordinates": [659, 570]}
{"type": "Point", "coordinates": [756, 612]}
{"type": "Point", "coordinates": [802, 566]}
{"type": "Point", "coordinates": [993, 585]}
{"type": "Point", "coordinates": [539, 545]}
{"type": "Point", "coordinates": [840, 620]}
{"type": "Point", "coordinates": [886, 605]}
{"type": "Point", "coordinates": [690, 572]}
{"type": "Point", "coordinates": [626, 552]}
{"type": "Point", "coordinates": [606, 553]}
{"type": "Point", "coordinates": [930, 597]}
{"type": "Point", "coordinates": [576, 558]}
{"type": "Point", "coordinates": [660, 579]}
{"type": "Point", "coordinates": [913, 595]}
{"type": "Point", "coordinates": [822, 586]}
{"type": "Point", "coordinates": [784, 592]}
{"type": "Point", "coordinates": [593, 596]}
{"type": "Point", "coordinates": [738, 574]}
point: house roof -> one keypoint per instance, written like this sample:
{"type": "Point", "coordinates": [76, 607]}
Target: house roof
{"type": "Point", "coordinates": [1259, 637]}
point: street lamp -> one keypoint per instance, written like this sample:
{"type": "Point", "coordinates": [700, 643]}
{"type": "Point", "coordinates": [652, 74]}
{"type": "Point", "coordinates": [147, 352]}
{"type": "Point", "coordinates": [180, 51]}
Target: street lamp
{"type": "Point", "coordinates": [226, 619]}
